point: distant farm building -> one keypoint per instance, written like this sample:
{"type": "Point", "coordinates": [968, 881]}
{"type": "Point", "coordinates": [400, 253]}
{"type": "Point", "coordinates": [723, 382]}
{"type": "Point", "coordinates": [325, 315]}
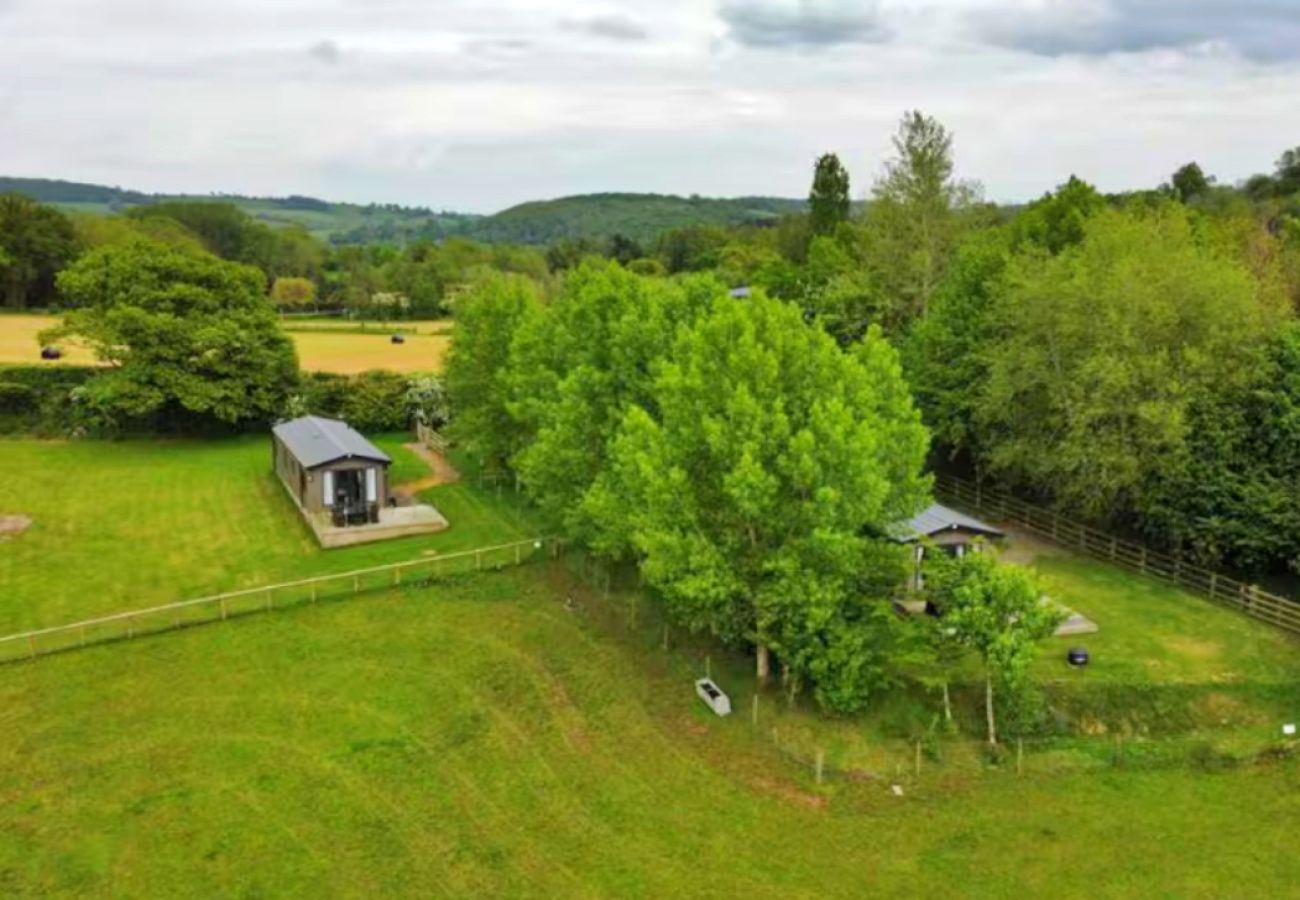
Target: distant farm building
{"type": "Point", "coordinates": [339, 480]}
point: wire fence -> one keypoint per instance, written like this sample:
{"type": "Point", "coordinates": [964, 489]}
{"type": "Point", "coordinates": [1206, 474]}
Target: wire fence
{"type": "Point", "coordinates": [1242, 596]}
{"type": "Point", "coordinates": [248, 601]}
{"type": "Point", "coordinates": [936, 758]}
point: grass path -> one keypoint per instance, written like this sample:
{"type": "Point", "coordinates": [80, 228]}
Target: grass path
{"type": "Point", "coordinates": [478, 739]}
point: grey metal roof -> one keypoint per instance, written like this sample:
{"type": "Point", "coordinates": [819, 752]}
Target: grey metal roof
{"type": "Point", "coordinates": [936, 518]}
{"type": "Point", "coordinates": [315, 441]}
{"type": "Point", "coordinates": [740, 293]}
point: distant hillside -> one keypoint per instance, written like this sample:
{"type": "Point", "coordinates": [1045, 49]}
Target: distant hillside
{"type": "Point", "coordinates": [340, 223]}
{"type": "Point", "coordinates": [641, 217]}
{"type": "Point", "coordinates": [638, 216]}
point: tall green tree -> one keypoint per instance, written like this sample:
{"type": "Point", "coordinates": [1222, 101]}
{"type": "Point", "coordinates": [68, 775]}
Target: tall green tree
{"type": "Point", "coordinates": [1190, 182]}
{"type": "Point", "coordinates": [488, 319]}
{"type": "Point", "coordinates": [947, 354]}
{"type": "Point", "coordinates": [752, 488]}
{"type": "Point", "coordinates": [577, 369]}
{"type": "Point", "coordinates": [1058, 220]}
{"type": "Point", "coordinates": [35, 243]}
{"type": "Point", "coordinates": [190, 337]}
{"type": "Point", "coordinates": [1102, 349]}
{"type": "Point", "coordinates": [913, 220]}
{"type": "Point", "coordinates": [997, 611]}
{"type": "Point", "coordinates": [828, 200]}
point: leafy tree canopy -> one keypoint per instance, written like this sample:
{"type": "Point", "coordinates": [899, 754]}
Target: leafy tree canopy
{"type": "Point", "coordinates": [188, 335]}
{"type": "Point", "coordinates": [751, 485]}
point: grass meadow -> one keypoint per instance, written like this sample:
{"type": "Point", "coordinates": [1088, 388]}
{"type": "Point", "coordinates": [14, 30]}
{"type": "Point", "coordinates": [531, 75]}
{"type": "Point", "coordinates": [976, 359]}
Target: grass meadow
{"type": "Point", "coordinates": [521, 733]}
{"type": "Point", "coordinates": [479, 738]}
{"type": "Point", "coordinates": [325, 349]}
{"type": "Point", "coordinates": [128, 524]}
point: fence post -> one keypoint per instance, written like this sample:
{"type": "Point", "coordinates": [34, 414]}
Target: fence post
{"type": "Point", "coordinates": [820, 763]}
{"type": "Point", "coordinates": [1214, 584]}
{"type": "Point", "coordinates": [754, 714]}
{"type": "Point", "coordinates": [31, 645]}
{"type": "Point", "coordinates": [708, 666]}
{"type": "Point", "coordinates": [222, 604]}
{"type": "Point", "coordinates": [1113, 547]}
{"type": "Point", "coordinates": [313, 592]}
{"type": "Point", "coordinates": [519, 551]}
{"type": "Point", "coordinates": [1142, 561]}
{"type": "Point", "coordinates": [356, 583]}
{"type": "Point", "coordinates": [1020, 755]}
{"type": "Point", "coordinates": [918, 759]}
{"type": "Point", "coordinates": [478, 559]}
{"type": "Point", "coordinates": [1056, 523]}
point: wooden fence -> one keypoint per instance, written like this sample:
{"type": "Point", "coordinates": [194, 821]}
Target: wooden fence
{"type": "Point", "coordinates": [219, 607]}
{"type": "Point", "coordinates": [1247, 598]}
{"type": "Point", "coordinates": [430, 438]}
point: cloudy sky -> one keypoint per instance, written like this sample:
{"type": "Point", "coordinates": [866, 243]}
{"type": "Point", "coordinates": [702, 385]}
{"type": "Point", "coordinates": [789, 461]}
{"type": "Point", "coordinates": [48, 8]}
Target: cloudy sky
{"type": "Point", "coordinates": [477, 105]}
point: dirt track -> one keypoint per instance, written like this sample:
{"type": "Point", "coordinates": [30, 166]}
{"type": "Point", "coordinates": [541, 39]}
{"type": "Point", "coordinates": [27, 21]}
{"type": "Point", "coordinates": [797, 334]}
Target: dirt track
{"type": "Point", "coordinates": [442, 472]}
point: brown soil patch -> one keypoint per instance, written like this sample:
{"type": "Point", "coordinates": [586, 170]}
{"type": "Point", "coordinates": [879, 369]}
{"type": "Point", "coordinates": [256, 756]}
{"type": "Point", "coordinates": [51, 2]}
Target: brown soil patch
{"type": "Point", "coordinates": [789, 793]}
{"type": "Point", "coordinates": [13, 525]}
{"type": "Point", "coordinates": [442, 472]}
{"type": "Point", "coordinates": [1194, 648]}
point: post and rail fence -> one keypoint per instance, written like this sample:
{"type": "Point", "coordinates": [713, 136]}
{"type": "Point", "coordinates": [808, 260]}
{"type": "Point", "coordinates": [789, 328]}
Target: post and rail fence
{"type": "Point", "coordinates": [219, 607]}
{"type": "Point", "coordinates": [1242, 596]}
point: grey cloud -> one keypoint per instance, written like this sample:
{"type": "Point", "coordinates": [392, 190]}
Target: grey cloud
{"type": "Point", "coordinates": [796, 23]}
{"type": "Point", "coordinates": [617, 28]}
{"type": "Point", "coordinates": [1258, 29]}
{"type": "Point", "coordinates": [328, 52]}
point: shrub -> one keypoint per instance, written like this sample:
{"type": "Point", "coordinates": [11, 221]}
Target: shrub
{"type": "Point", "coordinates": [17, 398]}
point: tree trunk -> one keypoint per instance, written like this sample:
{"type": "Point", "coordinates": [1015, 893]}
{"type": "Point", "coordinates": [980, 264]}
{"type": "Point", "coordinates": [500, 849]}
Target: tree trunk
{"type": "Point", "coordinates": [988, 708]}
{"type": "Point", "coordinates": [947, 704]}
{"type": "Point", "coordinates": [764, 664]}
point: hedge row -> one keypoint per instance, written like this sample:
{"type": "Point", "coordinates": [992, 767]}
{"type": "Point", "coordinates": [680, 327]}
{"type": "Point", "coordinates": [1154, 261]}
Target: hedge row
{"type": "Point", "coordinates": [39, 400]}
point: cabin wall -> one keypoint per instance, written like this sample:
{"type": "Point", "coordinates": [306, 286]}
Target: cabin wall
{"type": "Point", "coordinates": [287, 468]}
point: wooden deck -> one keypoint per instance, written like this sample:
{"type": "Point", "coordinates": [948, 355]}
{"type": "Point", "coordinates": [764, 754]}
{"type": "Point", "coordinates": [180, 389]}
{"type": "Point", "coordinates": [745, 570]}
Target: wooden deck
{"type": "Point", "coordinates": [394, 522]}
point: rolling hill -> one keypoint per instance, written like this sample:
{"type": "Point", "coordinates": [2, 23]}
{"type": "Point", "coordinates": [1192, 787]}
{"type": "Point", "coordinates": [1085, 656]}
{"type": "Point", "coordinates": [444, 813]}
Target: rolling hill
{"type": "Point", "coordinates": [641, 217]}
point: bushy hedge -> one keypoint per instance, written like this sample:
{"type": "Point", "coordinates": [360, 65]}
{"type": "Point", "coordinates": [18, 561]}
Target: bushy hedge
{"type": "Point", "coordinates": [370, 401]}
{"type": "Point", "coordinates": [38, 399]}
{"type": "Point", "coordinates": [41, 400]}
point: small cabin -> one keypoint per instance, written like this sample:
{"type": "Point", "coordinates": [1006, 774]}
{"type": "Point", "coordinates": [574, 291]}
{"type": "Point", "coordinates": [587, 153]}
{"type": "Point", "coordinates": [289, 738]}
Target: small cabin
{"type": "Point", "coordinates": [940, 529]}
{"type": "Point", "coordinates": [331, 470]}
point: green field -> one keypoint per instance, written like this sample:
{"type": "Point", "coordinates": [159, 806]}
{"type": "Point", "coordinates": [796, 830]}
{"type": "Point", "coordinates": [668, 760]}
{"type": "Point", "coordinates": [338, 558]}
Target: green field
{"type": "Point", "coordinates": [130, 524]}
{"type": "Point", "coordinates": [522, 734]}
{"type": "Point", "coordinates": [479, 739]}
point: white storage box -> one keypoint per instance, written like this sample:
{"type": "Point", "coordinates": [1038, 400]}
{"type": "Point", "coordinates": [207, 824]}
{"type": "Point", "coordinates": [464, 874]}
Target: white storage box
{"type": "Point", "coordinates": [712, 695]}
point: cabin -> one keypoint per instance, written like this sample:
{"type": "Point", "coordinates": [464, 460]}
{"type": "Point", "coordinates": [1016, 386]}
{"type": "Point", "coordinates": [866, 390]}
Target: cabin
{"type": "Point", "coordinates": [331, 470]}
{"type": "Point", "coordinates": [940, 529]}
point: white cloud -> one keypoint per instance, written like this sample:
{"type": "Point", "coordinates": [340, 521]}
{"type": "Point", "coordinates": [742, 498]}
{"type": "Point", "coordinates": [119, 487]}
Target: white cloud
{"type": "Point", "coordinates": [476, 105]}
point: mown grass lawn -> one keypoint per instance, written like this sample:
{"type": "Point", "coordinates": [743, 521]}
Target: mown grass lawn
{"type": "Point", "coordinates": [478, 738]}
{"type": "Point", "coordinates": [130, 524]}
